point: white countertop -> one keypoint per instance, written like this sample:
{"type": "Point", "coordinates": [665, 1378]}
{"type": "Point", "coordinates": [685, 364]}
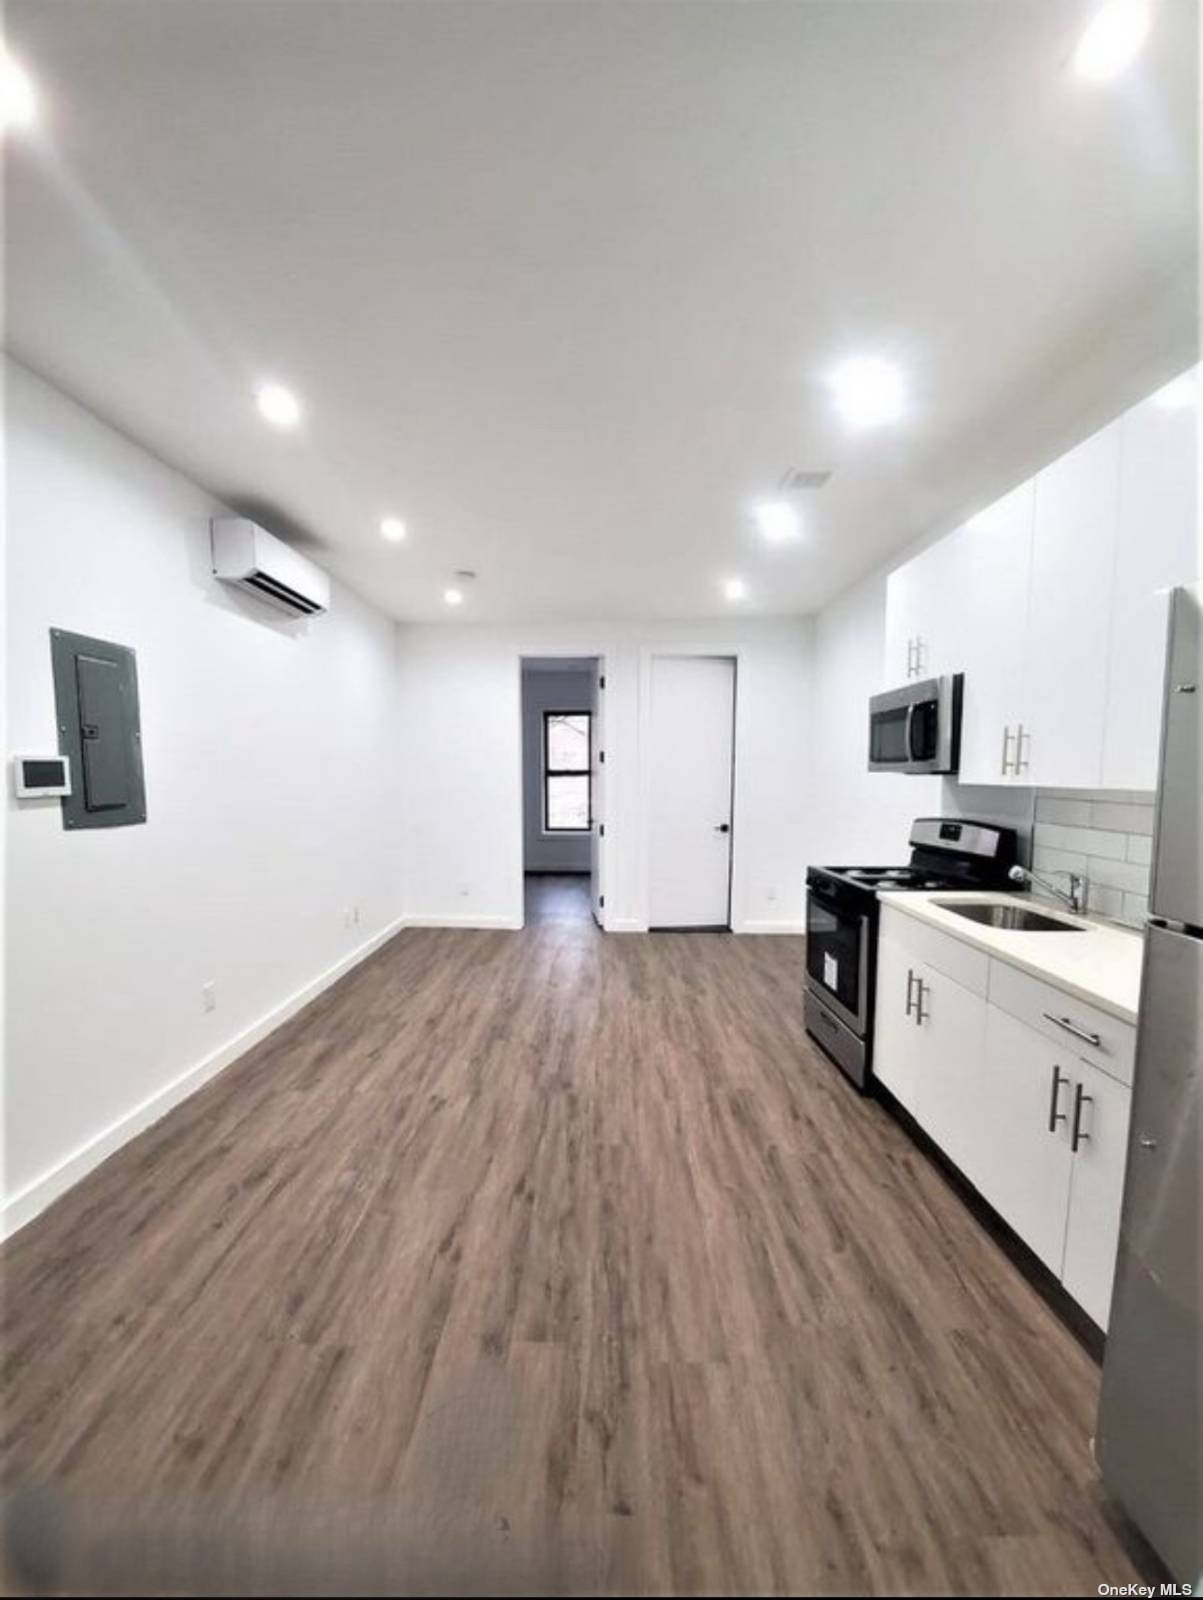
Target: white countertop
{"type": "Point", "coordinates": [1100, 965]}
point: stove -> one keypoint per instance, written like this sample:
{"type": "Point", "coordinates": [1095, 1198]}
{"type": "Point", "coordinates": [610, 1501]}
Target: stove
{"type": "Point", "coordinates": [842, 912]}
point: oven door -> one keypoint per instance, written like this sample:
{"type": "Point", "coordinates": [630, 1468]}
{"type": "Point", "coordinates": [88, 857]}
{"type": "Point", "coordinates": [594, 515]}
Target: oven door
{"type": "Point", "coordinates": [837, 957]}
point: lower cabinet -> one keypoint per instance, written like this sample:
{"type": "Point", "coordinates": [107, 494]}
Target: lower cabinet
{"type": "Point", "coordinates": [895, 1042]}
{"type": "Point", "coordinates": [1099, 1126]}
{"type": "Point", "coordinates": [1039, 1132]}
{"type": "Point", "coordinates": [1025, 1173]}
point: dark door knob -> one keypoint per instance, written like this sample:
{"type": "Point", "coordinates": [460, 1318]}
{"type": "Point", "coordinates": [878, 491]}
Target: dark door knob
{"type": "Point", "coordinates": [723, 827]}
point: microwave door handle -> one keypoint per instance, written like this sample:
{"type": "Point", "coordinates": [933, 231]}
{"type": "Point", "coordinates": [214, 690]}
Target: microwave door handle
{"type": "Point", "coordinates": [910, 723]}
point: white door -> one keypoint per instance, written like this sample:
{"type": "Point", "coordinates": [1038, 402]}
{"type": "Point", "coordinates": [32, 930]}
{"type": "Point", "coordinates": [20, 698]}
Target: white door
{"type": "Point", "coordinates": [692, 727]}
{"type": "Point", "coordinates": [1098, 1124]}
{"type": "Point", "coordinates": [597, 792]}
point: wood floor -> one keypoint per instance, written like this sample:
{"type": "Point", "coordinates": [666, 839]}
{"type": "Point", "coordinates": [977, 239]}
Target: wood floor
{"type": "Point", "coordinates": [551, 1252]}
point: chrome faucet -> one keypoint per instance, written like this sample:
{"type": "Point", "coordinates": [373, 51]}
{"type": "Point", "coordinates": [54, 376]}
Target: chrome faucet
{"type": "Point", "coordinates": [1074, 897]}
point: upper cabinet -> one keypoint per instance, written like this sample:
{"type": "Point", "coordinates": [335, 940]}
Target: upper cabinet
{"type": "Point", "coordinates": [922, 627]}
{"type": "Point", "coordinates": [1069, 615]}
{"type": "Point", "coordinates": [1052, 604]}
{"type": "Point", "coordinates": [1158, 547]}
{"type": "Point", "coordinates": [994, 564]}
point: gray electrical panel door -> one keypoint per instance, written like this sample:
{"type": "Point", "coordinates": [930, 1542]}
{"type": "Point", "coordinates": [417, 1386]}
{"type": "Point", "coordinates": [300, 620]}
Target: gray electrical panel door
{"type": "Point", "coordinates": [96, 698]}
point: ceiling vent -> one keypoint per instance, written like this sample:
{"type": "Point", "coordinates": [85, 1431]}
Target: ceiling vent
{"type": "Point", "coordinates": [797, 479]}
{"type": "Point", "coordinates": [249, 557]}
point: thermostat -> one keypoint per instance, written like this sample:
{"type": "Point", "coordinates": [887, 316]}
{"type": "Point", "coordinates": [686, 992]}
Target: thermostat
{"type": "Point", "coordinates": [41, 777]}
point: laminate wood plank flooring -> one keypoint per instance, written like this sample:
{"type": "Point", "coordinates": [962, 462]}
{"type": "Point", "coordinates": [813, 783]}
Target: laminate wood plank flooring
{"type": "Point", "coordinates": [556, 1246]}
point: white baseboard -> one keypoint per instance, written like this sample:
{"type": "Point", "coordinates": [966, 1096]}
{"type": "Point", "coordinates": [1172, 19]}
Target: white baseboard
{"type": "Point", "coordinates": [625, 925]}
{"type": "Point", "coordinates": [787, 925]}
{"type": "Point", "coordinates": [36, 1196]}
{"type": "Point", "coordinates": [465, 919]}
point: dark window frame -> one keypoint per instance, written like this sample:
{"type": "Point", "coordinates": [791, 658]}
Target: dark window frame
{"type": "Point", "coordinates": [550, 772]}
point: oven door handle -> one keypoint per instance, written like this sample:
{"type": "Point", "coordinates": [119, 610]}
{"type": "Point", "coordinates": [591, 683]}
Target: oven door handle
{"type": "Point", "coordinates": [910, 725]}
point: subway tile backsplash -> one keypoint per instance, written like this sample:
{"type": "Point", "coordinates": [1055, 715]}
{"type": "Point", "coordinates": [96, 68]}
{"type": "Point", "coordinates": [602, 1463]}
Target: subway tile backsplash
{"type": "Point", "coordinates": [1108, 837]}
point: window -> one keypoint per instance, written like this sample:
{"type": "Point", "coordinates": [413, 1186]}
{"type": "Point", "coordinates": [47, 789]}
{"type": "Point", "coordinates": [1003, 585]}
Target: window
{"type": "Point", "coordinates": [567, 786]}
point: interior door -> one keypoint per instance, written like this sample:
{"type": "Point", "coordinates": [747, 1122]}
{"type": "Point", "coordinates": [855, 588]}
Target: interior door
{"type": "Point", "coordinates": [692, 727]}
{"type": "Point", "coordinates": [597, 774]}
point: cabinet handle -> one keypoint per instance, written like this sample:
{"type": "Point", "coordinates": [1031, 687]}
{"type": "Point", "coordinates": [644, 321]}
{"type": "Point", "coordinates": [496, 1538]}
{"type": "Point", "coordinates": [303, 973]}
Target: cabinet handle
{"type": "Point", "coordinates": [1006, 765]}
{"type": "Point", "coordinates": [1054, 1115]}
{"type": "Point", "coordinates": [1081, 1098]}
{"type": "Point", "coordinates": [1022, 763]}
{"type": "Point", "coordinates": [910, 983]}
{"type": "Point", "coordinates": [1072, 1027]}
{"type": "Point", "coordinates": [921, 1016]}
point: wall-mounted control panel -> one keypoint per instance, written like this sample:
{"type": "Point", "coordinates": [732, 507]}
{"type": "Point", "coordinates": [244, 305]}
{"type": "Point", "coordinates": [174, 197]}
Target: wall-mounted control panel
{"type": "Point", "coordinates": [99, 730]}
{"type": "Point", "coordinates": [41, 777]}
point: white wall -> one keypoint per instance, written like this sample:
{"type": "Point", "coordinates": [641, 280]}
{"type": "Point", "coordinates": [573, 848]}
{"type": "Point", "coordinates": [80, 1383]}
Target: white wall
{"type": "Point", "coordinates": [549, 691]}
{"type": "Point", "coordinates": [271, 796]}
{"type": "Point", "coordinates": [461, 713]}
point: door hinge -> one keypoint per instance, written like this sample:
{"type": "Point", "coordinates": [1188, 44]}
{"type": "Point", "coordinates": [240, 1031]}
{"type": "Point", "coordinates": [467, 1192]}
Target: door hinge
{"type": "Point", "coordinates": [601, 830]}
{"type": "Point", "coordinates": [601, 899]}
{"type": "Point", "coordinates": [601, 682]}
{"type": "Point", "coordinates": [601, 758]}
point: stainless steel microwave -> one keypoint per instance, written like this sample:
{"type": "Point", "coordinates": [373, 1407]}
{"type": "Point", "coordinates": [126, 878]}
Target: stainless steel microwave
{"type": "Point", "coordinates": [917, 728]}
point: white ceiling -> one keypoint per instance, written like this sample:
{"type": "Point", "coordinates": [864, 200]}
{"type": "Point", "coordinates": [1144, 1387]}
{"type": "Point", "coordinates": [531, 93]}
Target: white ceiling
{"type": "Point", "coordinates": [560, 283]}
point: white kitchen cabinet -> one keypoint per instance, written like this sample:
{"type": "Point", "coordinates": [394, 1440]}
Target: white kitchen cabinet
{"type": "Point", "coordinates": [1038, 1130]}
{"type": "Point", "coordinates": [1157, 547]}
{"type": "Point", "coordinates": [951, 1021]}
{"type": "Point", "coordinates": [1099, 1111]}
{"type": "Point", "coordinates": [1025, 1165]}
{"type": "Point", "coordinates": [988, 580]}
{"type": "Point", "coordinates": [1052, 604]}
{"type": "Point", "coordinates": [923, 620]}
{"type": "Point", "coordinates": [1074, 537]}
{"type": "Point", "coordinates": [895, 1036]}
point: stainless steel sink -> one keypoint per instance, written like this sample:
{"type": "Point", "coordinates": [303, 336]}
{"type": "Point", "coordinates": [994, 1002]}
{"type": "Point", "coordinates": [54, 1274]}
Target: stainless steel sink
{"type": "Point", "coordinates": [1015, 919]}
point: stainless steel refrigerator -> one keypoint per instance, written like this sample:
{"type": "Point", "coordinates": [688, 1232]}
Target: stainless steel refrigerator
{"type": "Point", "coordinates": [1150, 1430]}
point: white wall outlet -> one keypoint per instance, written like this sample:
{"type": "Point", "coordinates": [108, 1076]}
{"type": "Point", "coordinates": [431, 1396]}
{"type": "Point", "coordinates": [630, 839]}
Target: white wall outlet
{"type": "Point", "coordinates": [464, 891]}
{"type": "Point", "coordinates": [770, 895]}
{"type": "Point", "coordinates": [355, 915]}
{"type": "Point", "coordinates": [209, 996]}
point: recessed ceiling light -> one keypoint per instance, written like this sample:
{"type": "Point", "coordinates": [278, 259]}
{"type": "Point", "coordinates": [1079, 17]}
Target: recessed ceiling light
{"type": "Point", "coordinates": [735, 589]}
{"type": "Point", "coordinates": [1178, 394]}
{"type": "Point", "coordinates": [392, 529]}
{"type": "Point", "coordinates": [18, 103]}
{"type": "Point", "coordinates": [868, 391]}
{"type": "Point", "coordinates": [1111, 40]}
{"type": "Point", "coordinates": [453, 597]}
{"type": "Point", "coordinates": [278, 405]}
{"type": "Point", "coordinates": [777, 520]}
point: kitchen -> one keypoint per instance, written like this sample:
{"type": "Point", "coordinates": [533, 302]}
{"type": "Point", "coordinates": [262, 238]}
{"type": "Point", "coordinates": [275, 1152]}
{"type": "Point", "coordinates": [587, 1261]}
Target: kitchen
{"type": "Point", "coordinates": [602, 989]}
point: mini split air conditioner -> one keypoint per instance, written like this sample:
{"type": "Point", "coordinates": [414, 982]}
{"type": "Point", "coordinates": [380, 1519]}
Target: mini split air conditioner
{"type": "Point", "coordinates": [253, 559]}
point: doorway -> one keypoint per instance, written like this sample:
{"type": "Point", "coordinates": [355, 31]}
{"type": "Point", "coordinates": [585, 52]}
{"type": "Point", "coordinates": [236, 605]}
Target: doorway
{"type": "Point", "coordinates": [561, 789]}
{"type": "Point", "coordinates": [692, 748]}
